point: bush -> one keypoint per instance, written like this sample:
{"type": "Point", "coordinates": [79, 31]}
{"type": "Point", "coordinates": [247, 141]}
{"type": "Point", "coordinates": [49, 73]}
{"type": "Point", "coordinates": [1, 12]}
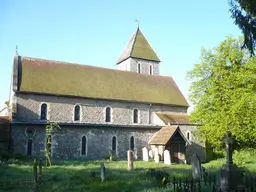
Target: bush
{"type": "Point", "coordinates": [5, 156]}
{"type": "Point", "coordinates": [243, 157]}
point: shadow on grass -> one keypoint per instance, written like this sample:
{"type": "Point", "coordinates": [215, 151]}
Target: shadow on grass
{"type": "Point", "coordinates": [84, 175]}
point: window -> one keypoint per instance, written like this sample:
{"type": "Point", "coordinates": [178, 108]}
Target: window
{"type": "Point", "coordinates": [114, 143]}
{"type": "Point", "coordinates": [108, 114]}
{"type": "Point", "coordinates": [30, 132]}
{"type": "Point", "coordinates": [49, 144]}
{"type": "Point", "coordinates": [44, 111]}
{"type": "Point", "coordinates": [150, 70]}
{"type": "Point", "coordinates": [132, 143]}
{"type": "Point", "coordinates": [77, 113]}
{"type": "Point", "coordinates": [188, 135]}
{"type": "Point", "coordinates": [135, 116]}
{"type": "Point", "coordinates": [83, 152]}
{"type": "Point", "coordinates": [29, 147]}
{"type": "Point", "coordinates": [138, 67]}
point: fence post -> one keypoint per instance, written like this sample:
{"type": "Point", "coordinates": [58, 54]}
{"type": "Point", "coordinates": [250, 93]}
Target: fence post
{"type": "Point", "coordinates": [40, 169]}
{"type": "Point", "coordinates": [35, 175]}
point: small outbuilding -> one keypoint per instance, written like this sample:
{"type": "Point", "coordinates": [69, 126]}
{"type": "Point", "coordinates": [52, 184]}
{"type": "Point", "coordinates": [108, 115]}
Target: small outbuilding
{"type": "Point", "coordinates": [170, 138]}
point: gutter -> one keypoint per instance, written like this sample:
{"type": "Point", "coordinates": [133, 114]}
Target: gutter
{"type": "Point", "coordinates": [87, 124]}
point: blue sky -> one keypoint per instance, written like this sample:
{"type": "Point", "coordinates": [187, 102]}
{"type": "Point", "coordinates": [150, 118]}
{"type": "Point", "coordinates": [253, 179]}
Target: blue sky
{"type": "Point", "coordinates": [94, 32]}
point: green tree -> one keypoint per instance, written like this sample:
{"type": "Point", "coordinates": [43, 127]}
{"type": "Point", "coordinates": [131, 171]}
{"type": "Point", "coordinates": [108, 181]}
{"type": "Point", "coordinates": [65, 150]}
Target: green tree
{"type": "Point", "coordinates": [244, 14]}
{"type": "Point", "coordinates": [222, 90]}
{"type": "Point", "coordinates": [50, 129]}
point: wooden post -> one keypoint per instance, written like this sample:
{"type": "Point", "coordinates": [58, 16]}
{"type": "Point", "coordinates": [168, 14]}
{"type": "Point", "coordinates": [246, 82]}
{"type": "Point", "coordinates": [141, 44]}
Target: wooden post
{"type": "Point", "coordinates": [40, 169]}
{"type": "Point", "coordinates": [35, 175]}
{"type": "Point", "coordinates": [130, 159]}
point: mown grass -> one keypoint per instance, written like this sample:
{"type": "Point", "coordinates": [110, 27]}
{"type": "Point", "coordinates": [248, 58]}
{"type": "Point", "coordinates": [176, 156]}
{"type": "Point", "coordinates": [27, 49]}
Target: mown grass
{"type": "Point", "coordinates": [76, 175]}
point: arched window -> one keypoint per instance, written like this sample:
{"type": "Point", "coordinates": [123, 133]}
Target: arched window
{"type": "Point", "coordinates": [188, 135]}
{"type": "Point", "coordinates": [150, 70]}
{"type": "Point", "coordinates": [77, 113]}
{"type": "Point", "coordinates": [132, 143]}
{"type": "Point", "coordinates": [138, 67]}
{"type": "Point", "coordinates": [135, 115]}
{"type": "Point", "coordinates": [29, 147]}
{"type": "Point", "coordinates": [43, 111]}
{"type": "Point", "coordinates": [83, 152]}
{"type": "Point", "coordinates": [108, 114]}
{"type": "Point", "coordinates": [114, 143]}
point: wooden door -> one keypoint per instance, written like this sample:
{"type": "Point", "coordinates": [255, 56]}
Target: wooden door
{"type": "Point", "coordinates": [174, 152]}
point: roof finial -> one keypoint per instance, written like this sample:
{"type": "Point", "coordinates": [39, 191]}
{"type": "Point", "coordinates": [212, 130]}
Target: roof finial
{"type": "Point", "coordinates": [138, 22]}
{"type": "Point", "coordinates": [16, 50]}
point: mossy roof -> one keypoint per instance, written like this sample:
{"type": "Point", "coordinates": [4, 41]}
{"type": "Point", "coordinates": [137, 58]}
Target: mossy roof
{"type": "Point", "coordinates": [165, 134]}
{"type": "Point", "coordinates": [162, 136]}
{"type": "Point", "coordinates": [67, 79]}
{"type": "Point", "coordinates": [138, 47]}
{"type": "Point", "coordinates": [171, 118]}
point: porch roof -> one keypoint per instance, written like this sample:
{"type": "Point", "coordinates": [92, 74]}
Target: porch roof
{"type": "Point", "coordinates": [162, 136]}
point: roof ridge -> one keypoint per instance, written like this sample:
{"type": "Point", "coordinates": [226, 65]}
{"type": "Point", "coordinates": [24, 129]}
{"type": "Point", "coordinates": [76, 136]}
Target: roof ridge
{"type": "Point", "coordinates": [136, 34]}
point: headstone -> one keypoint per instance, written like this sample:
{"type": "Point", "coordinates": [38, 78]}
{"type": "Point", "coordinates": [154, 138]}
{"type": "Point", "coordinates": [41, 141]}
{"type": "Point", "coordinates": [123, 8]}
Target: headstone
{"type": "Point", "coordinates": [156, 156]}
{"type": "Point", "coordinates": [167, 157]}
{"type": "Point", "coordinates": [230, 174]}
{"type": "Point", "coordinates": [102, 172]}
{"type": "Point", "coordinates": [151, 154]}
{"type": "Point", "coordinates": [145, 154]}
{"type": "Point", "coordinates": [196, 167]}
{"type": "Point", "coordinates": [130, 159]}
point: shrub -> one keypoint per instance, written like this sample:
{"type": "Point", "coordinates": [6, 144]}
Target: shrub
{"type": "Point", "coordinates": [243, 157]}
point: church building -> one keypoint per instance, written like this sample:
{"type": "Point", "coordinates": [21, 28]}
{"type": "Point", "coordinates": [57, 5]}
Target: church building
{"type": "Point", "coordinates": [101, 110]}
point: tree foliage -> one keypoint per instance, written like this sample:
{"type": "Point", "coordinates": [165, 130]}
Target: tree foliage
{"type": "Point", "coordinates": [50, 129]}
{"type": "Point", "coordinates": [244, 14]}
{"type": "Point", "coordinates": [222, 90]}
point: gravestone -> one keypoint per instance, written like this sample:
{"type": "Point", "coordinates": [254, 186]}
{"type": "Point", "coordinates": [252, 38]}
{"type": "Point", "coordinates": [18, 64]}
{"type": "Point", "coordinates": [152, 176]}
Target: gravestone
{"type": "Point", "coordinates": [196, 167]}
{"type": "Point", "coordinates": [145, 154]}
{"type": "Point", "coordinates": [102, 172]}
{"type": "Point", "coordinates": [167, 157]}
{"type": "Point", "coordinates": [156, 156]}
{"type": "Point", "coordinates": [230, 174]}
{"type": "Point", "coordinates": [151, 154]}
{"type": "Point", "coordinates": [130, 159]}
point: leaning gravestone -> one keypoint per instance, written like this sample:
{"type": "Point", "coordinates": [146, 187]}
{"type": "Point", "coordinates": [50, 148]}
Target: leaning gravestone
{"type": "Point", "coordinates": [102, 172]}
{"type": "Point", "coordinates": [156, 156]}
{"type": "Point", "coordinates": [196, 167]}
{"type": "Point", "coordinates": [167, 157]}
{"type": "Point", "coordinates": [151, 154]}
{"type": "Point", "coordinates": [145, 154]}
{"type": "Point", "coordinates": [130, 159]}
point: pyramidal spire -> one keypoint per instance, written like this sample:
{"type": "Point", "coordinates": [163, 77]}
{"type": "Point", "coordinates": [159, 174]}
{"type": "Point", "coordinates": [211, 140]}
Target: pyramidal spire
{"type": "Point", "coordinates": [138, 47]}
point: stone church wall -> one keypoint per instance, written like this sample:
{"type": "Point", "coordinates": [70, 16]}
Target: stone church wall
{"type": "Point", "coordinates": [92, 111]}
{"type": "Point", "coordinates": [66, 143]}
{"type": "Point", "coordinates": [196, 145]}
{"type": "Point", "coordinates": [144, 66]}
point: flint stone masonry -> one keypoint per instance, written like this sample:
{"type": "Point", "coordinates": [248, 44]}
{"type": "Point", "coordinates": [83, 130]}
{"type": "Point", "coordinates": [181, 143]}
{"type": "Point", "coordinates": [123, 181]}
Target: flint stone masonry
{"type": "Point", "coordinates": [131, 64]}
{"type": "Point", "coordinates": [195, 145]}
{"type": "Point", "coordinates": [66, 143]}
{"type": "Point", "coordinates": [92, 111]}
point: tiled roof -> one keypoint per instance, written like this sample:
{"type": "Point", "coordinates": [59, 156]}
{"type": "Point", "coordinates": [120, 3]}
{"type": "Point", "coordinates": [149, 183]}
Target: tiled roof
{"type": "Point", "coordinates": [67, 79]}
{"type": "Point", "coordinates": [162, 136]}
{"type": "Point", "coordinates": [173, 118]}
{"type": "Point", "coordinates": [138, 47]}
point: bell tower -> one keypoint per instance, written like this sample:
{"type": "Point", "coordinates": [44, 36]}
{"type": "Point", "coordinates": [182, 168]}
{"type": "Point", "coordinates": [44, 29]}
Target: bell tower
{"type": "Point", "coordinates": [138, 56]}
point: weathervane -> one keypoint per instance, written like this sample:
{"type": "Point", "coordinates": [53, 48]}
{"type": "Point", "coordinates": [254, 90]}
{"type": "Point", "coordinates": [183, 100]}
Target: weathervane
{"type": "Point", "coordinates": [137, 21]}
{"type": "Point", "coordinates": [16, 50]}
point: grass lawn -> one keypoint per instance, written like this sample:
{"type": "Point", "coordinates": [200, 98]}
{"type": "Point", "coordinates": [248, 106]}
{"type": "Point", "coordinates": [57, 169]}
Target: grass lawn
{"type": "Point", "coordinates": [75, 175]}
